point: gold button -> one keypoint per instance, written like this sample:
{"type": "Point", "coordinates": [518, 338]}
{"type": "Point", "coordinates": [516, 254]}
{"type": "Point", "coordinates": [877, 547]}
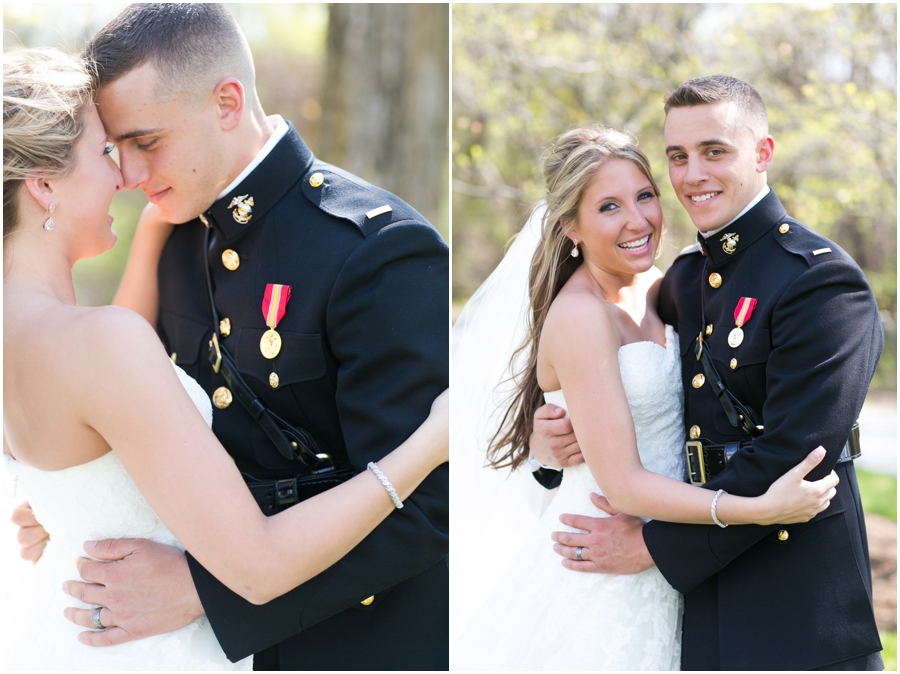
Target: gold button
{"type": "Point", "coordinates": [315, 180]}
{"type": "Point", "coordinates": [222, 397]}
{"type": "Point", "coordinates": [715, 280]}
{"type": "Point", "coordinates": [709, 329]}
{"type": "Point", "coordinates": [174, 357]}
{"type": "Point", "coordinates": [368, 601]}
{"type": "Point", "coordinates": [274, 380]}
{"type": "Point", "coordinates": [231, 260]}
{"type": "Point", "coordinates": [733, 363]}
{"type": "Point", "coordinates": [698, 381]}
{"type": "Point", "coordinates": [695, 432]}
{"type": "Point", "coordinates": [225, 327]}
{"type": "Point", "coordinates": [783, 534]}
{"type": "Point", "coordinates": [785, 228]}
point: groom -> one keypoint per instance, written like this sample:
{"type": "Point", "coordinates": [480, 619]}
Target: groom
{"type": "Point", "coordinates": [362, 350]}
{"type": "Point", "coordinates": [794, 334]}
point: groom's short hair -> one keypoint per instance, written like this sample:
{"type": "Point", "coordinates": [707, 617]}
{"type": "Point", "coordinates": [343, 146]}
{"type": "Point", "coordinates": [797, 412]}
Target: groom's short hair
{"type": "Point", "coordinates": [718, 89]}
{"type": "Point", "coordinates": [193, 46]}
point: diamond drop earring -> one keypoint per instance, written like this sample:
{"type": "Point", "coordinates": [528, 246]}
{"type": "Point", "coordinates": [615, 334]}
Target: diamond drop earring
{"type": "Point", "coordinates": [48, 223]}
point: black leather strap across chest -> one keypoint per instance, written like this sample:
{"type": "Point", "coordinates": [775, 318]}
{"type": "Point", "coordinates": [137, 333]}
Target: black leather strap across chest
{"type": "Point", "coordinates": [292, 442]}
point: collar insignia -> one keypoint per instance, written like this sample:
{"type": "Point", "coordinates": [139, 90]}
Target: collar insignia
{"type": "Point", "coordinates": [243, 208]}
{"type": "Point", "coordinates": [729, 242]}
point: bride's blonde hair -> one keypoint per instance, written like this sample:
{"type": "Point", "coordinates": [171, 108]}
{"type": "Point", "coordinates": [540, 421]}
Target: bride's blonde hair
{"type": "Point", "coordinates": [45, 95]}
{"type": "Point", "coordinates": [569, 165]}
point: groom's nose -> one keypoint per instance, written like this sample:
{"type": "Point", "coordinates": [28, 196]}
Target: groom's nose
{"type": "Point", "coordinates": [135, 172]}
{"type": "Point", "coordinates": [695, 172]}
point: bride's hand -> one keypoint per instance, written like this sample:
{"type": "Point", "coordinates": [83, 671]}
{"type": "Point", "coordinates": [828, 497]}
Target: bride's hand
{"type": "Point", "coordinates": [792, 499]}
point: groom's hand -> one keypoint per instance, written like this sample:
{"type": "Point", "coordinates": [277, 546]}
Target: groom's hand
{"type": "Point", "coordinates": [145, 588]}
{"type": "Point", "coordinates": [610, 545]}
{"type": "Point", "coordinates": [552, 442]}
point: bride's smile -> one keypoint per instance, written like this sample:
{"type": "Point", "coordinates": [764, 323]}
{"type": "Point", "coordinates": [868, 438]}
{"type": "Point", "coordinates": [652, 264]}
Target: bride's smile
{"type": "Point", "coordinates": [620, 221]}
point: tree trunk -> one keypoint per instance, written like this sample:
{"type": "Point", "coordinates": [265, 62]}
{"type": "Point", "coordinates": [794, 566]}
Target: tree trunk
{"type": "Point", "coordinates": [386, 99]}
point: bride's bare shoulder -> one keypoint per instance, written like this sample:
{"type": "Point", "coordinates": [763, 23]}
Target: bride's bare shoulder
{"type": "Point", "coordinates": [577, 313]}
{"type": "Point", "coordinates": [104, 338]}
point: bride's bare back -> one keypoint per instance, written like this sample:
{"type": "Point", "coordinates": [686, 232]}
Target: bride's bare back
{"type": "Point", "coordinates": [53, 367]}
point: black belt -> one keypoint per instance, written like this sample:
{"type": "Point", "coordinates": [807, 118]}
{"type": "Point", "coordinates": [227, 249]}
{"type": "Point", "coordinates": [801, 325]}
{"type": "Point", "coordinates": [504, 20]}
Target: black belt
{"type": "Point", "coordinates": [273, 496]}
{"type": "Point", "coordinates": [705, 460]}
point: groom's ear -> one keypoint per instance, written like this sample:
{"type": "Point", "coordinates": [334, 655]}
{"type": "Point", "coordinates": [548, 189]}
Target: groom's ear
{"type": "Point", "coordinates": [764, 153]}
{"type": "Point", "coordinates": [229, 99]}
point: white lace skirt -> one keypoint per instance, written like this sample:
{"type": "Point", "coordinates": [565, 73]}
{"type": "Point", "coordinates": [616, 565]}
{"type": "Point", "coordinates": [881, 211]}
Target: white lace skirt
{"type": "Point", "coordinates": [542, 616]}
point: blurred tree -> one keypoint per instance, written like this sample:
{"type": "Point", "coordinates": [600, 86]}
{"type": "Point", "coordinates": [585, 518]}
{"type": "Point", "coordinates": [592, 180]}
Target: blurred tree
{"type": "Point", "coordinates": [387, 99]}
{"type": "Point", "coordinates": [523, 74]}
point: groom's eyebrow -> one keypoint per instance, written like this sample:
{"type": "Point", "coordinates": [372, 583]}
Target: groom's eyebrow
{"type": "Point", "coordinates": [137, 133]}
{"type": "Point", "coordinates": [702, 143]}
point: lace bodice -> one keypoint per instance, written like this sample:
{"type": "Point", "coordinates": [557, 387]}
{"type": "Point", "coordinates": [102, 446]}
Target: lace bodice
{"type": "Point", "coordinates": [651, 376]}
{"type": "Point", "coordinates": [93, 501]}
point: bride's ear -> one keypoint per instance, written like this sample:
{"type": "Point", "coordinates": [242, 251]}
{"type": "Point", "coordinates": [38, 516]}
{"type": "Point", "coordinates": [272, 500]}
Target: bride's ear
{"type": "Point", "coordinates": [41, 189]}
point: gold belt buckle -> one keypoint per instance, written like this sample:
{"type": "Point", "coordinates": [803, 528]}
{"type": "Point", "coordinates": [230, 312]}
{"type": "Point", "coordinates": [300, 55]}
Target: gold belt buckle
{"type": "Point", "coordinates": [700, 461]}
{"type": "Point", "coordinates": [214, 344]}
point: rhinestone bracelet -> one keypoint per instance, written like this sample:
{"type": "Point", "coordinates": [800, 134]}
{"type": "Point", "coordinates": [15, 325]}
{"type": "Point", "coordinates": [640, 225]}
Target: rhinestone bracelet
{"type": "Point", "coordinates": [712, 508]}
{"type": "Point", "coordinates": [386, 484]}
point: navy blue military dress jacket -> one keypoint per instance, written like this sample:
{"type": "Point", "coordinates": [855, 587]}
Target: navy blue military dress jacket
{"type": "Point", "coordinates": [364, 353]}
{"type": "Point", "coordinates": [776, 597]}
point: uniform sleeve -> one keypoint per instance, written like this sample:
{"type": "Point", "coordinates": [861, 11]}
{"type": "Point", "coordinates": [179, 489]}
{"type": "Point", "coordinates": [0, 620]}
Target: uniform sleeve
{"type": "Point", "coordinates": [826, 341]}
{"type": "Point", "coordinates": [387, 325]}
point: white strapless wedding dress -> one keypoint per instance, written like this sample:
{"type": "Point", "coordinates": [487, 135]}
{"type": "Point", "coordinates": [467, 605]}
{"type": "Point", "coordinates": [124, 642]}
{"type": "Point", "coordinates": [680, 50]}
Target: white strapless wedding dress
{"type": "Point", "coordinates": [93, 501]}
{"type": "Point", "coordinates": [542, 616]}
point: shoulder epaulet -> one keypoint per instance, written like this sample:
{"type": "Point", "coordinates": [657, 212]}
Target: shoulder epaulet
{"type": "Point", "coordinates": [800, 240]}
{"type": "Point", "coordinates": [687, 250]}
{"type": "Point", "coordinates": [346, 196]}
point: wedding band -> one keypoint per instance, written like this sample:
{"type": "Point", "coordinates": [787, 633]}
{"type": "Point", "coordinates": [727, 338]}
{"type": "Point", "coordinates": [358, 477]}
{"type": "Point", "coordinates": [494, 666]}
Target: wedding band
{"type": "Point", "coordinates": [95, 618]}
{"type": "Point", "coordinates": [578, 553]}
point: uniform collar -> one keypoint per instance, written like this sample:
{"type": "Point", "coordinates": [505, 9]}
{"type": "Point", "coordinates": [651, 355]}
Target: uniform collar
{"type": "Point", "coordinates": [249, 201]}
{"type": "Point", "coordinates": [744, 231]}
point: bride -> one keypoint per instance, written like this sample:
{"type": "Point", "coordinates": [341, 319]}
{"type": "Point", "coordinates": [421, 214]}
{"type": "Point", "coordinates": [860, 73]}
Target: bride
{"type": "Point", "coordinates": [595, 346]}
{"type": "Point", "coordinates": [89, 393]}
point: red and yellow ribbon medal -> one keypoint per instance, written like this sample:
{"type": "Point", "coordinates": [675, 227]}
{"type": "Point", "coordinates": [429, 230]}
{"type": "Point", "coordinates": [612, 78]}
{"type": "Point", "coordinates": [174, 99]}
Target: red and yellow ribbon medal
{"type": "Point", "coordinates": [274, 305]}
{"type": "Point", "coordinates": [742, 313]}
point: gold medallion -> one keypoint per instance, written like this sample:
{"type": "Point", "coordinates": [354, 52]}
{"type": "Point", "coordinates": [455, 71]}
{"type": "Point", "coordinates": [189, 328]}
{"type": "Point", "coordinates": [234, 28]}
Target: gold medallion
{"type": "Point", "coordinates": [231, 259]}
{"type": "Point", "coordinates": [270, 344]}
{"type": "Point", "coordinates": [222, 397]}
{"type": "Point", "coordinates": [243, 208]}
{"type": "Point", "coordinates": [729, 242]}
{"type": "Point", "coordinates": [274, 381]}
{"type": "Point", "coordinates": [735, 337]}
{"type": "Point", "coordinates": [698, 381]}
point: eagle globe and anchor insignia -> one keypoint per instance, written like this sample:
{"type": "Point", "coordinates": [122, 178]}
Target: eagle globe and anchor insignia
{"type": "Point", "coordinates": [729, 242]}
{"type": "Point", "coordinates": [243, 208]}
